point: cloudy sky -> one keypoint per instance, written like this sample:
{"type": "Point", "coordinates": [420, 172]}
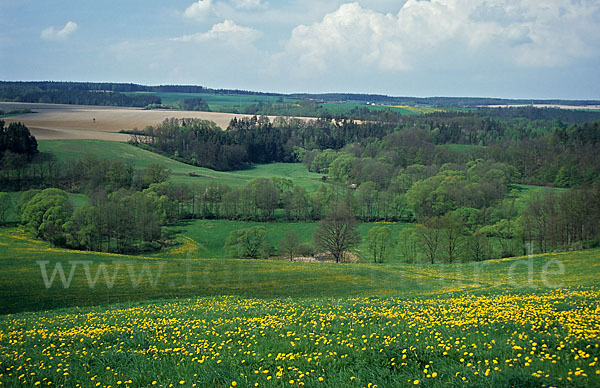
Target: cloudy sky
{"type": "Point", "coordinates": [498, 48]}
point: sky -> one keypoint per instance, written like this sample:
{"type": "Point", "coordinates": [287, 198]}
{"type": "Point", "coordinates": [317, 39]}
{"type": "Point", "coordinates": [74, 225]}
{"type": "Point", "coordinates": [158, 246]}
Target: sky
{"type": "Point", "coordinates": [484, 48]}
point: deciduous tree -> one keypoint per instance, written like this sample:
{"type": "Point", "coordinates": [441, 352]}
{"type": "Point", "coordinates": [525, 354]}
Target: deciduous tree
{"type": "Point", "coordinates": [337, 233]}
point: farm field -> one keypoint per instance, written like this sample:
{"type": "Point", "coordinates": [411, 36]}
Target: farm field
{"type": "Point", "coordinates": [74, 149]}
{"type": "Point", "coordinates": [56, 121]}
{"type": "Point", "coordinates": [496, 323]}
{"type": "Point", "coordinates": [230, 102]}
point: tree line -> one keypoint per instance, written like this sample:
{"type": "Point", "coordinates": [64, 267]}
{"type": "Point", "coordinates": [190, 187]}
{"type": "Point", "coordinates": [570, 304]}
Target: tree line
{"type": "Point", "coordinates": [35, 94]}
{"type": "Point", "coordinates": [126, 87]}
{"type": "Point", "coordinates": [543, 152]}
{"type": "Point", "coordinates": [549, 222]}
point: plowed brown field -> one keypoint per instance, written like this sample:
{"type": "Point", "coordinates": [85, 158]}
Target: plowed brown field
{"type": "Point", "coordinates": [56, 121]}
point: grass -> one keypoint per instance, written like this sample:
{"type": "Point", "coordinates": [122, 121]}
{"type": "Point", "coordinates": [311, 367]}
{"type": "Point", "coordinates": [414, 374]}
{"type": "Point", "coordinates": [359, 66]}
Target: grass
{"type": "Point", "coordinates": [281, 324]}
{"type": "Point", "coordinates": [209, 235]}
{"type": "Point", "coordinates": [463, 147]}
{"type": "Point", "coordinates": [523, 194]}
{"type": "Point", "coordinates": [345, 108]}
{"type": "Point", "coordinates": [235, 102]}
{"type": "Point", "coordinates": [65, 150]}
{"type": "Point", "coordinates": [182, 272]}
{"type": "Point", "coordinates": [474, 341]}
{"type": "Point", "coordinates": [177, 319]}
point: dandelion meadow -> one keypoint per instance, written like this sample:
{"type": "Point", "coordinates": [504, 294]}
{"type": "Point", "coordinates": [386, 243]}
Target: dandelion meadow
{"type": "Point", "coordinates": [519, 322]}
{"type": "Point", "coordinates": [540, 339]}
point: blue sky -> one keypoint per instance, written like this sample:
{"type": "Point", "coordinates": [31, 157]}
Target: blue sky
{"type": "Point", "coordinates": [496, 48]}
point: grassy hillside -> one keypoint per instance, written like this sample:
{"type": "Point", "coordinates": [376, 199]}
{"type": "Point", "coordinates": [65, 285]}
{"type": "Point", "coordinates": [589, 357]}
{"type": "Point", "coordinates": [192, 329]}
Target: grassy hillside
{"type": "Point", "coordinates": [357, 325]}
{"type": "Point", "coordinates": [182, 273]}
{"type": "Point", "coordinates": [525, 193]}
{"type": "Point", "coordinates": [73, 149]}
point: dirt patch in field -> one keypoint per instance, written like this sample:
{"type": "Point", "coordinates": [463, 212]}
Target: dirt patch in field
{"type": "Point", "coordinates": [65, 121]}
{"type": "Point", "coordinates": [73, 134]}
{"type": "Point", "coordinates": [324, 258]}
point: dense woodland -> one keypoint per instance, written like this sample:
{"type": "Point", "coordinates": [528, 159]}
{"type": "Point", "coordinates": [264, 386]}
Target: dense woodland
{"type": "Point", "coordinates": [452, 174]}
{"type": "Point", "coordinates": [541, 152]}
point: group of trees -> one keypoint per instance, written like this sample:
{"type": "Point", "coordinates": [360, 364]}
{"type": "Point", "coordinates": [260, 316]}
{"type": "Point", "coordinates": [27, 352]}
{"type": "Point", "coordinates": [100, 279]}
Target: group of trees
{"type": "Point", "coordinates": [125, 87]}
{"type": "Point", "coordinates": [249, 140]}
{"type": "Point", "coordinates": [565, 220]}
{"type": "Point", "coordinates": [264, 199]}
{"type": "Point", "coordinates": [193, 103]}
{"type": "Point", "coordinates": [377, 151]}
{"type": "Point", "coordinates": [125, 211]}
{"type": "Point", "coordinates": [334, 236]}
{"type": "Point", "coordinates": [123, 221]}
{"type": "Point", "coordinates": [17, 149]}
{"type": "Point", "coordinates": [563, 157]}
{"type": "Point", "coordinates": [389, 171]}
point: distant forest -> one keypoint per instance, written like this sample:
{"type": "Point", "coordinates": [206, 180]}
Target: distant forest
{"type": "Point", "coordinates": [59, 93]}
{"type": "Point", "coordinates": [9, 90]}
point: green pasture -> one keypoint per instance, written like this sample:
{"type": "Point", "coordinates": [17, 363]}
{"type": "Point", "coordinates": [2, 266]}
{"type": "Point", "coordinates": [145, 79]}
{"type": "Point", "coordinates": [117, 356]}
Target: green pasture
{"type": "Point", "coordinates": [65, 150]}
{"type": "Point", "coordinates": [210, 235]}
{"type": "Point", "coordinates": [184, 272]}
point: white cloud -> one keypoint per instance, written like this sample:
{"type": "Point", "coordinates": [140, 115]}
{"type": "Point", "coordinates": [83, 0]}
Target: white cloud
{"type": "Point", "coordinates": [249, 4]}
{"type": "Point", "coordinates": [199, 10]}
{"type": "Point", "coordinates": [442, 33]}
{"type": "Point", "coordinates": [51, 33]}
{"type": "Point", "coordinates": [227, 31]}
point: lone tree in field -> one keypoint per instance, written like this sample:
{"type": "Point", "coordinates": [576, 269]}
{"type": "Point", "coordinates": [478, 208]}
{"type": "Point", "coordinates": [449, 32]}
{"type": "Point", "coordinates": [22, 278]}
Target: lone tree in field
{"type": "Point", "coordinates": [289, 244]}
{"type": "Point", "coordinates": [337, 233]}
{"type": "Point", "coordinates": [379, 239]}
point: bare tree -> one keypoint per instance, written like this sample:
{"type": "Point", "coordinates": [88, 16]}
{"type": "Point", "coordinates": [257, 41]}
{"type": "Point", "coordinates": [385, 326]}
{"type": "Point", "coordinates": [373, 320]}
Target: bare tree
{"type": "Point", "coordinates": [337, 233]}
{"type": "Point", "coordinates": [452, 230]}
{"type": "Point", "coordinates": [429, 235]}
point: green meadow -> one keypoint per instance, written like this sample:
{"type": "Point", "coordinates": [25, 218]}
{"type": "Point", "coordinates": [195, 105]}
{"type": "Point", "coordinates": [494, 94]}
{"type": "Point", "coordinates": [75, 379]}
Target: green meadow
{"type": "Point", "coordinates": [184, 271]}
{"type": "Point", "coordinates": [65, 150]}
{"type": "Point", "coordinates": [113, 320]}
{"type": "Point", "coordinates": [210, 235]}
